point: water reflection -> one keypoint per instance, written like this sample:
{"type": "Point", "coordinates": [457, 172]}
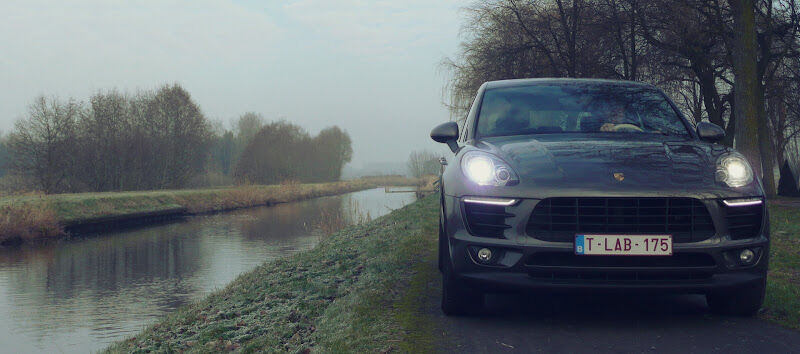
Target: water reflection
{"type": "Point", "coordinates": [80, 295]}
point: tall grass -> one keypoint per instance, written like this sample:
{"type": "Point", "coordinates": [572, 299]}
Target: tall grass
{"type": "Point", "coordinates": [331, 221]}
{"type": "Point", "coordinates": [22, 222]}
{"type": "Point", "coordinates": [32, 216]}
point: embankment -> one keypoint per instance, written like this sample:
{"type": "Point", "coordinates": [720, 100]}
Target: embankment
{"type": "Point", "coordinates": [365, 289]}
{"type": "Point", "coordinates": [354, 292]}
{"type": "Point", "coordinates": [34, 217]}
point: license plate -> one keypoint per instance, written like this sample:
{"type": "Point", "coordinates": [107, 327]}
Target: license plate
{"type": "Point", "coordinates": [624, 245]}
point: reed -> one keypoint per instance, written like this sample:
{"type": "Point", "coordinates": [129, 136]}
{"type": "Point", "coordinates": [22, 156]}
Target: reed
{"type": "Point", "coordinates": [22, 222]}
{"type": "Point", "coordinates": [35, 216]}
{"type": "Point", "coordinates": [332, 221]}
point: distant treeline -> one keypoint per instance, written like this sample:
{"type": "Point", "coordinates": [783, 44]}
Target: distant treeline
{"type": "Point", "coordinates": [283, 151]}
{"type": "Point", "coordinates": [159, 140]}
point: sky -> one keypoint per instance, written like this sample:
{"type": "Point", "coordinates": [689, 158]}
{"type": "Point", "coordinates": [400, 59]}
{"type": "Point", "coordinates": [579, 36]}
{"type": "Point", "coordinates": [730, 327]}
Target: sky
{"type": "Point", "coordinates": [371, 67]}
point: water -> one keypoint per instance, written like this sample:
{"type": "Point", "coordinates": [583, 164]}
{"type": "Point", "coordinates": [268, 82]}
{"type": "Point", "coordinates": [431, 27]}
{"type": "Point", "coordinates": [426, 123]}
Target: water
{"type": "Point", "coordinates": [81, 295]}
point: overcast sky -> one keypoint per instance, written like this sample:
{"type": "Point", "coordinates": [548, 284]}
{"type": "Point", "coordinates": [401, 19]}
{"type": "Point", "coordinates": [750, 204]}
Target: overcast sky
{"type": "Point", "coordinates": [371, 67]}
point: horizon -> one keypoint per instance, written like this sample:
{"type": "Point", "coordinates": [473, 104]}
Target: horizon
{"type": "Point", "coordinates": [302, 61]}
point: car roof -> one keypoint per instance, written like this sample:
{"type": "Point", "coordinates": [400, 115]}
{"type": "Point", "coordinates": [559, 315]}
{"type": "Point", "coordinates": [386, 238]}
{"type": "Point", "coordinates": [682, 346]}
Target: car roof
{"type": "Point", "coordinates": [563, 81]}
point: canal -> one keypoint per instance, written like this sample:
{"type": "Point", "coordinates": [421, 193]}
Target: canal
{"type": "Point", "coordinates": [81, 295]}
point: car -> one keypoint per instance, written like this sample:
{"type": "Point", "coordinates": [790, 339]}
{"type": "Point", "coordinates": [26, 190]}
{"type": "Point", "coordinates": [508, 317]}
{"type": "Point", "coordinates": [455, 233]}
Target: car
{"type": "Point", "coordinates": [596, 186]}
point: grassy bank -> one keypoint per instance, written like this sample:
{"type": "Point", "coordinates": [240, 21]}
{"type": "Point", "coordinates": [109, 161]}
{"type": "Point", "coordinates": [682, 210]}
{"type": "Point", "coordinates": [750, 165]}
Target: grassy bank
{"type": "Point", "coordinates": [31, 217]}
{"type": "Point", "coordinates": [782, 303]}
{"type": "Point", "coordinates": [349, 294]}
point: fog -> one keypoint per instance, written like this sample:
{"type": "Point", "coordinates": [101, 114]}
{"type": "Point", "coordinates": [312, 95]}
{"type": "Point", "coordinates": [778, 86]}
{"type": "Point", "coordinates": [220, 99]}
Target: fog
{"type": "Point", "coordinates": [370, 67]}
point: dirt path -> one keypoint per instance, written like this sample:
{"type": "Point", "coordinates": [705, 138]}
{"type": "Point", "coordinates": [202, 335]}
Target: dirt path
{"type": "Point", "coordinates": [614, 324]}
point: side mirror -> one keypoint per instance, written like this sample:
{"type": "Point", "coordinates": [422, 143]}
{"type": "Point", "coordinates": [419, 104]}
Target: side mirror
{"type": "Point", "coordinates": [710, 132]}
{"type": "Point", "coordinates": [446, 133]}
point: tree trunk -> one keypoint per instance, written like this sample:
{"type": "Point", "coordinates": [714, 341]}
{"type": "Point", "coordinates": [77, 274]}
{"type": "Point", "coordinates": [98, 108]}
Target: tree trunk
{"type": "Point", "coordinates": [747, 90]}
{"type": "Point", "coordinates": [765, 145]}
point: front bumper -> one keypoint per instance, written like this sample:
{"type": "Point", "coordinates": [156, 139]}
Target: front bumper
{"type": "Point", "coordinates": [709, 265]}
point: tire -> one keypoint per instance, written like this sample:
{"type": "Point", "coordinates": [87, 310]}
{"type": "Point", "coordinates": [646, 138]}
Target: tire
{"type": "Point", "coordinates": [442, 239]}
{"type": "Point", "coordinates": [457, 298]}
{"type": "Point", "coordinates": [741, 301]}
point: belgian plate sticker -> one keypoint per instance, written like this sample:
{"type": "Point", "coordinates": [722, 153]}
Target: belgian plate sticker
{"type": "Point", "coordinates": [579, 249]}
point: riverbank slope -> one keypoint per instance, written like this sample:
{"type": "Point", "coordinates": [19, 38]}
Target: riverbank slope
{"type": "Point", "coordinates": [28, 218]}
{"type": "Point", "coordinates": [354, 292]}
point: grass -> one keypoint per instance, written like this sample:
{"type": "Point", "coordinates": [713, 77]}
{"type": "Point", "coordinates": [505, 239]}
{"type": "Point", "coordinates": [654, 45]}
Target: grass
{"type": "Point", "coordinates": [359, 290]}
{"type": "Point", "coordinates": [364, 289]}
{"type": "Point", "coordinates": [33, 216]}
{"type": "Point", "coordinates": [782, 303]}
{"type": "Point", "coordinates": [24, 223]}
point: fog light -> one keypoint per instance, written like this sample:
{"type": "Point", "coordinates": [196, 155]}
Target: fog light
{"type": "Point", "coordinates": [484, 255]}
{"type": "Point", "coordinates": [747, 256]}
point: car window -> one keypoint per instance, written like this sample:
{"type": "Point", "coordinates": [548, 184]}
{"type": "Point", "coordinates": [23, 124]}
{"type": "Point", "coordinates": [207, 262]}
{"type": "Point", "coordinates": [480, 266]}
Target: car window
{"type": "Point", "coordinates": [578, 108]}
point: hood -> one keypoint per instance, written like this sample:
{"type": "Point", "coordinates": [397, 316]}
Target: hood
{"type": "Point", "coordinates": [608, 162]}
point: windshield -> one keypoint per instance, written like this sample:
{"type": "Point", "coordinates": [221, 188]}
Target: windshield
{"type": "Point", "coordinates": [578, 108]}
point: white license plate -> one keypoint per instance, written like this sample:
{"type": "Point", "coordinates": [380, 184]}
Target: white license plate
{"type": "Point", "coordinates": [624, 245]}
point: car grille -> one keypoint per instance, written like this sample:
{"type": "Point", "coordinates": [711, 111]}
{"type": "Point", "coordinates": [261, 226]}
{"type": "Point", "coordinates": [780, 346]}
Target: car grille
{"type": "Point", "coordinates": [486, 220]}
{"type": "Point", "coordinates": [744, 221]}
{"type": "Point", "coordinates": [559, 219]}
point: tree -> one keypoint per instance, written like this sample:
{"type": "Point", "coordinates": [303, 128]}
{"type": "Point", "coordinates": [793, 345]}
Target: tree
{"type": "Point", "coordinates": [42, 144]}
{"type": "Point", "coordinates": [283, 151]}
{"type": "Point", "coordinates": [181, 133]}
{"type": "Point", "coordinates": [248, 126]}
{"type": "Point", "coordinates": [4, 155]}
{"type": "Point", "coordinates": [333, 151]}
{"type": "Point", "coordinates": [104, 142]}
{"type": "Point", "coordinates": [747, 106]}
{"type": "Point", "coordinates": [223, 152]}
{"type": "Point", "coordinates": [421, 163]}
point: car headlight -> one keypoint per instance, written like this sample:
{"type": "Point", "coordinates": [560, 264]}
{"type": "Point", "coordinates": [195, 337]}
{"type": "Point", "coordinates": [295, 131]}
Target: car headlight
{"type": "Point", "coordinates": [487, 170]}
{"type": "Point", "coordinates": [734, 170]}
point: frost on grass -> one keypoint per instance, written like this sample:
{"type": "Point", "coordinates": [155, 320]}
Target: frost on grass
{"type": "Point", "coordinates": [336, 297]}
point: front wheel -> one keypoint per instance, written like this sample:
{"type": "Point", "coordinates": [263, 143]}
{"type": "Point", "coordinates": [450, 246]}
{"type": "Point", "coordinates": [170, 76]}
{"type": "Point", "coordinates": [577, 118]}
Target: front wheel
{"type": "Point", "coordinates": [740, 301]}
{"type": "Point", "coordinates": [442, 252]}
{"type": "Point", "coordinates": [457, 298]}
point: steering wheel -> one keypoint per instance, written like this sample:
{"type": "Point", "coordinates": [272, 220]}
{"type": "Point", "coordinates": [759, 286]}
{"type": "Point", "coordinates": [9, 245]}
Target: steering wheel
{"type": "Point", "coordinates": [626, 126]}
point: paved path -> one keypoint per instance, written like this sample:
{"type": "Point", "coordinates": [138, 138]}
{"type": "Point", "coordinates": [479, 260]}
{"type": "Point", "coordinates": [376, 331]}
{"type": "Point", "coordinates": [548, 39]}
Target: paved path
{"type": "Point", "coordinates": [602, 323]}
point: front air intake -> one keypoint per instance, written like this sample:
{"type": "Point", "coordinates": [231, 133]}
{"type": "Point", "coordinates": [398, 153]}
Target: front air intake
{"type": "Point", "coordinates": [485, 220]}
{"type": "Point", "coordinates": [744, 221]}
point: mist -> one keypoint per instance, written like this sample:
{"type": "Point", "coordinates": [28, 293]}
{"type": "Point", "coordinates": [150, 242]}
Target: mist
{"type": "Point", "coordinates": [371, 68]}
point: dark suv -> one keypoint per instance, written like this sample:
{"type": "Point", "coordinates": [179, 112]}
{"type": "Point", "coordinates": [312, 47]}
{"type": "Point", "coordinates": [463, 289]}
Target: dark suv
{"type": "Point", "coordinates": [596, 184]}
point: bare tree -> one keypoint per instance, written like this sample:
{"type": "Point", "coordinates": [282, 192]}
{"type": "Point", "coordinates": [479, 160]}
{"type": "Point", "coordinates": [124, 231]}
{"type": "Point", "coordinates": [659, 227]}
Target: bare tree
{"type": "Point", "coordinates": [42, 143]}
{"type": "Point", "coordinates": [183, 135]}
{"type": "Point", "coordinates": [104, 141]}
{"type": "Point", "coordinates": [747, 105]}
{"type": "Point", "coordinates": [421, 163]}
{"type": "Point", "coordinates": [248, 126]}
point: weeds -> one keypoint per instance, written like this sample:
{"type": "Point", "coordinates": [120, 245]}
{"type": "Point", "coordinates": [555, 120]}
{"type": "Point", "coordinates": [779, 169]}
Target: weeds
{"type": "Point", "coordinates": [32, 216]}
{"type": "Point", "coordinates": [331, 221]}
{"type": "Point", "coordinates": [21, 222]}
